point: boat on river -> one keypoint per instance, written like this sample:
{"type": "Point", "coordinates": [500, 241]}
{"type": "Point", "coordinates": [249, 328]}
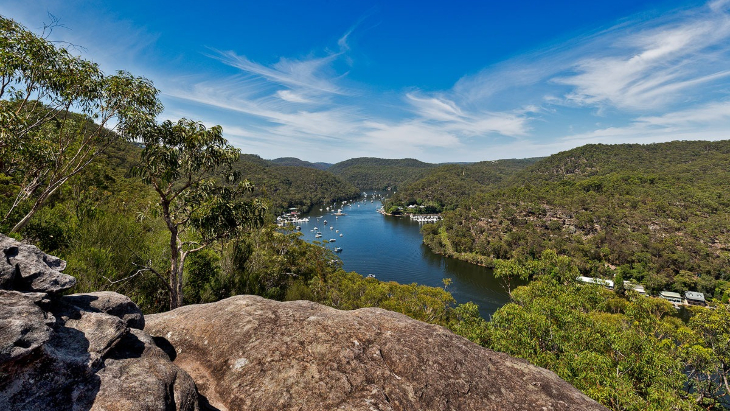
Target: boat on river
{"type": "Point", "coordinates": [338, 249]}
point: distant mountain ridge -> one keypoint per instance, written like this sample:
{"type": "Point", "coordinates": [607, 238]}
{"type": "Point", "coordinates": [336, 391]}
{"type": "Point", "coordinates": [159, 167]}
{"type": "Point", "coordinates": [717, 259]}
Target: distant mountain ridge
{"type": "Point", "coordinates": [295, 162]}
{"type": "Point", "coordinates": [287, 185]}
{"type": "Point", "coordinates": [370, 173]}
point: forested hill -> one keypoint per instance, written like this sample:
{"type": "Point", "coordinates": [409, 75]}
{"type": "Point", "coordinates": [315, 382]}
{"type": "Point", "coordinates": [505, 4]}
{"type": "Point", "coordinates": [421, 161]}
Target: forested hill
{"type": "Point", "coordinates": [293, 186]}
{"type": "Point", "coordinates": [292, 161]}
{"type": "Point", "coordinates": [677, 158]}
{"type": "Point", "coordinates": [368, 173]}
{"type": "Point", "coordinates": [660, 213]}
{"type": "Point", "coordinates": [444, 187]}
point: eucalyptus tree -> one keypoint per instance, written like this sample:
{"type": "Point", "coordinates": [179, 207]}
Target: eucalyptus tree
{"type": "Point", "coordinates": [184, 162]}
{"type": "Point", "coordinates": [42, 143]}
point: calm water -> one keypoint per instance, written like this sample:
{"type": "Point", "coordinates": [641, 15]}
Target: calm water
{"type": "Point", "coordinates": [392, 249]}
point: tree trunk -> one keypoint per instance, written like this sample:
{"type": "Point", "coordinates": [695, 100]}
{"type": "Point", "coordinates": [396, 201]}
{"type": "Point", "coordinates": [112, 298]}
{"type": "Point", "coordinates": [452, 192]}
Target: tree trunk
{"type": "Point", "coordinates": [176, 298]}
{"type": "Point", "coordinates": [19, 226]}
{"type": "Point", "coordinates": [37, 205]}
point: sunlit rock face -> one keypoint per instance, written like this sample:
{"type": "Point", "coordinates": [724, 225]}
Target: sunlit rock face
{"type": "Point", "coordinates": [250, 353]}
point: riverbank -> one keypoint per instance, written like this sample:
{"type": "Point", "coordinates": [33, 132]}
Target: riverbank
{"type": "Point", "coordinates": [436, 239]}
{"type": "Point", "coordinates": [392, 249]}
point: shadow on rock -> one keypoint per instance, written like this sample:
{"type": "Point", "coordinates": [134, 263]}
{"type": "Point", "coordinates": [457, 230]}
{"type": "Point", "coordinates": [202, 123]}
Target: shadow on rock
{"type": "Point", "coordinates": [77, 352]}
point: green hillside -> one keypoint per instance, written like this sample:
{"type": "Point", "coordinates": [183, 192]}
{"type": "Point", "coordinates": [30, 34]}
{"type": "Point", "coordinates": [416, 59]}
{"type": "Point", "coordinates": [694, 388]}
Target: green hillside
{"type": "Point", "coordinates": [444, 187]}
{"type": "Point", "coordinates": [658, 213]}
{"type": "Point", "coordinates": [292, 161]}
{"type": "Point", "coordinates": [368, 173]}
{"type": "Point", "coordinates": [293, 186]}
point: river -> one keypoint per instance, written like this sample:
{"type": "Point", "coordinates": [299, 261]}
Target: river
{"type": "Point", "coordinates": [391, 248]}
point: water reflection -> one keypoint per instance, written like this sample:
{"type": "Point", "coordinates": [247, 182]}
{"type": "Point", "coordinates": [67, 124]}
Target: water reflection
{"type": "Point", "coordinates": [391, 248]}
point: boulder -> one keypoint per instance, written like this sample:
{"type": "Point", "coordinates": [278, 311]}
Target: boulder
{"type": "Point", "coordinates": [111, 303]}
{"type": "Point", "coordinates": [55, 355]}
{"type": "Point", "coordinates": [24, 326]}
{"type": "Point", "coordinates": [24, 267]}
{"type": "Point", "coordinates": [138, 375]}
{"type": "Point", "coordinates": [249, 353]}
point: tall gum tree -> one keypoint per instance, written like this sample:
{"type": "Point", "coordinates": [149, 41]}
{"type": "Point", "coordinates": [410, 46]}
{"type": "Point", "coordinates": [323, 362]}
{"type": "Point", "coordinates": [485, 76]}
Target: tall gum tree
{"type": "Point", "coordinates": [42, 143]}
{"type": "Point", "coordinates": [184, 162]}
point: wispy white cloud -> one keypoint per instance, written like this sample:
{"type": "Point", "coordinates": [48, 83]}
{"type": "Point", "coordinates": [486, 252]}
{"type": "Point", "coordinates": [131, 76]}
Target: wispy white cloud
{"type": "Point", "coordinates": [447, 116]}
{"type": "Point", "coordinates": [652, 67]}
{"type": "Point", "coordinates": [637, 65]}
{"type": "Point", "coordinates": [305, 73]}
{"type": "Point", "coordinates": [647, 79]}
{"type": "Point", "coordinates": [708, 122]}
{"type": "Point", "coordinates": [292, 97]}
{"type": "Point", "coordinates": [715, 113]}
{"type": "Point", "coordinates": [719, 5]}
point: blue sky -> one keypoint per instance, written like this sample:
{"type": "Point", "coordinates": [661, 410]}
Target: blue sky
{"type": "Point", "coordinates": [438, 81]}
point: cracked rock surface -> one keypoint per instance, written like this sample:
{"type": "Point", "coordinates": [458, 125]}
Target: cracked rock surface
{"type": "Point", "coordinates": [77, 352]}
{"type": "Point", "coordinates": [250, 353]}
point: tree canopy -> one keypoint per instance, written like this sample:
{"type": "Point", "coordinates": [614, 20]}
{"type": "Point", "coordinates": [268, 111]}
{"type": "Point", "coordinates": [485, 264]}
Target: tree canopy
{"type": "Point", "coordinates": [42, 143]}
{"type": "Point", "coordinates": [178, 161]}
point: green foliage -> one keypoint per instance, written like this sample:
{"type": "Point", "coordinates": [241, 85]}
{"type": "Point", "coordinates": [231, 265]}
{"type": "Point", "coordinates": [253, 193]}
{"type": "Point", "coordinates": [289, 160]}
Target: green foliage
{"type": "Point", "coordinates": [286, 186]}
{"type": "Point", "coordinates": [367, 173]}
{"type": "Point", "coordinates": [618, 284]}
{"type": "Point", "coordinates": [445, 187]}
{"type": "Point", "coordinates": [295, 162]}
{"type": "Point", "coordinates": [43, 144]}
{"type": "Point", "coordinates": [659, 211]}
{"type": "Point", "coordinates": [618, 354]}
{"type": "Point", "coordinates": [707, 353]}
{"type": "Point", "coordinates": [509, 271]}
{"type": "Point", "coordinates": [631, 353]}
{"type": "Point", "coordinates": [349, 291]}
{"type": "Point", "coordinates": [197, 210]}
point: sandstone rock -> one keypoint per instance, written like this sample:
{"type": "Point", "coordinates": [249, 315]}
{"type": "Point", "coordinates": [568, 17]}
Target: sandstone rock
{"type": "Point", "coordinates": [139, 376]}
{"type": "Point", "coordinates": [26, 268]}
{"type": "Point", "coordinates": [249, 353]}
{"type": "Point", "coordinates": [84, 337]}
{"type": "Point", "coordinates": [111, 303]}
{"type": "Point", "coordinates": [7, 271]}
{"type": "Point", "coordinates": [56, 356]}
{"type": "Point", "coordinates": [24, 326]}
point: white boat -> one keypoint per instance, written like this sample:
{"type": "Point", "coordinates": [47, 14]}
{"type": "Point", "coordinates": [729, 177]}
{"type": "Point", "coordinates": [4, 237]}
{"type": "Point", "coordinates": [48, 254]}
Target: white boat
{"type": "Point", "coordinates": [340, 235]}
{"type": "Point", "coordinates": [332, 240]}
{"type": "Point", "coordinates": [338, 249]}
{"type": "Point", "coordinates": [332, 228]}
{"type": "Point", "coordinates": [318, 235]}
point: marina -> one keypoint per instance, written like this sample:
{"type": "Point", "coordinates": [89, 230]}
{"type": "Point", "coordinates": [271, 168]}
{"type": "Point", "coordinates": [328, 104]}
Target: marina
{"type": "Point", "coordinates": [392, 249]}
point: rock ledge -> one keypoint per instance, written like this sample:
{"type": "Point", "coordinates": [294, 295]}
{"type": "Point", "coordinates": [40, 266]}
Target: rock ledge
{"type": "Point", "coordinates": [249, 353]}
